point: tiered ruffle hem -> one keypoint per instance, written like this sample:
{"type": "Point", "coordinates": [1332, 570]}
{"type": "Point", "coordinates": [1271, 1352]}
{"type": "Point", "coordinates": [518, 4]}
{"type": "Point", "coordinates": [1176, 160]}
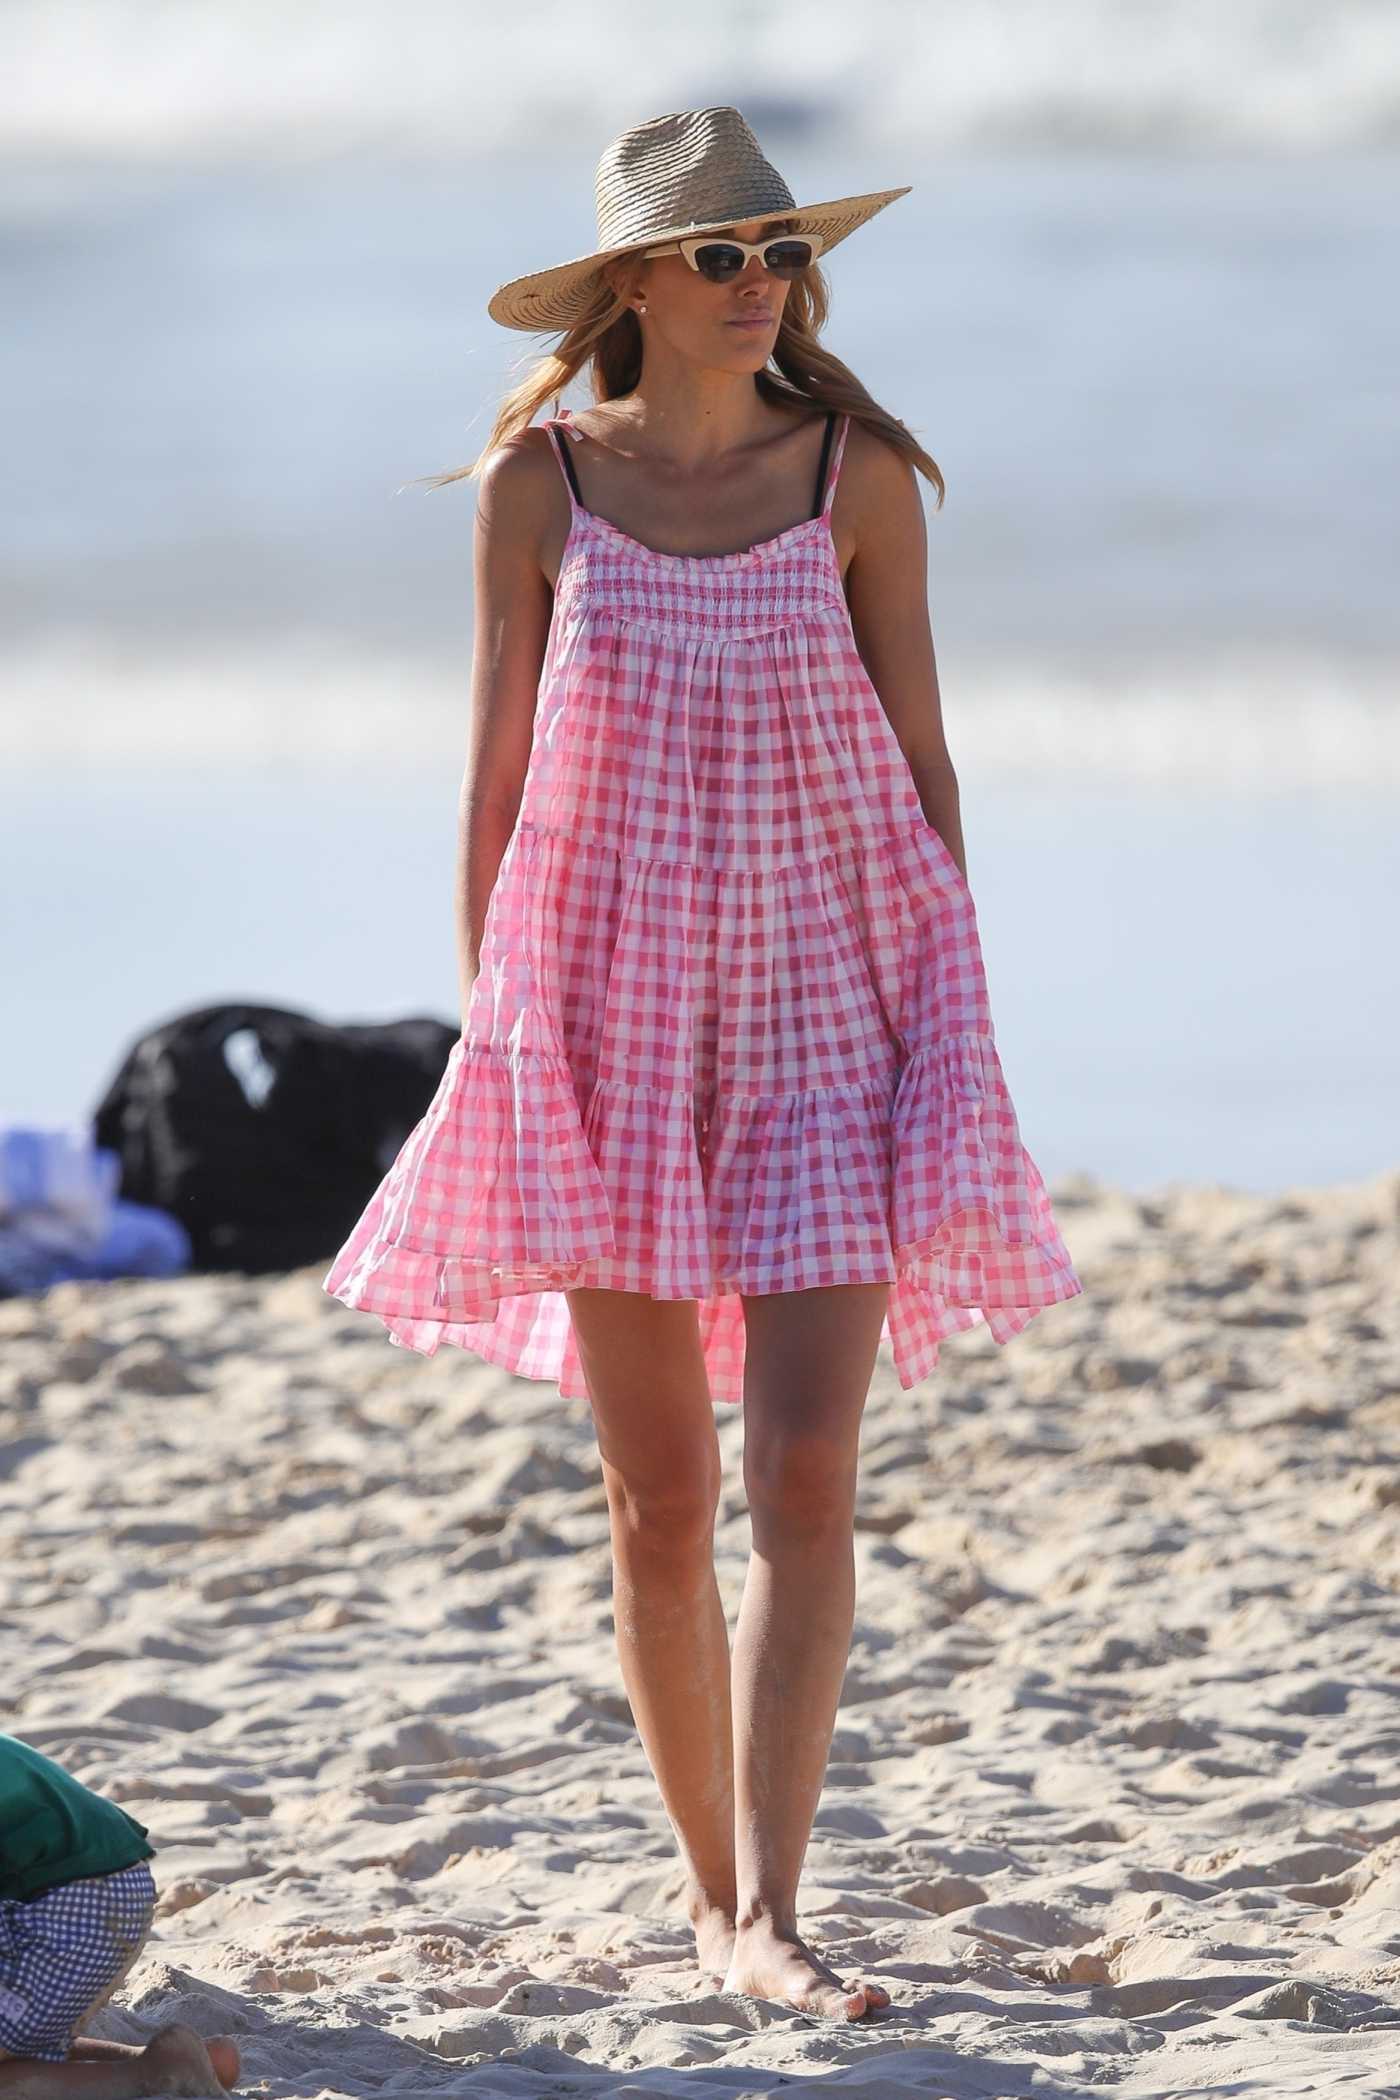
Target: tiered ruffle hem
{"type": "Point", "coordinates": [533, 1170]}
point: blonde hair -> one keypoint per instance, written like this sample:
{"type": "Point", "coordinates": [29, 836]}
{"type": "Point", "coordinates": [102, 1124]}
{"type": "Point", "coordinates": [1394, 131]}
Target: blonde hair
{"type": "Point", "coordinates": [608, 337]}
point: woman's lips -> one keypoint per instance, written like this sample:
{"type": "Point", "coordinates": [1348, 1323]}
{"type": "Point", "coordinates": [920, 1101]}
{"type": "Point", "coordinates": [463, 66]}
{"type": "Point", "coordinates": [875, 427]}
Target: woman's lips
{"type": "Point", "coordinates": [751, 321]}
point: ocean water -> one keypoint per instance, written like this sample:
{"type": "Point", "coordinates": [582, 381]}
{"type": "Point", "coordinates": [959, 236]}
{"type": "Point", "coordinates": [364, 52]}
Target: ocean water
{"type": "Point", "coordinates": [1142, 314]}
{"type": "Point", "coordinates": [452, 77]}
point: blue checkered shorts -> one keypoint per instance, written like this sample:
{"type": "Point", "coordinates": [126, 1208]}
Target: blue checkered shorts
{"type": "Point", "coordinates": [62, 1955]}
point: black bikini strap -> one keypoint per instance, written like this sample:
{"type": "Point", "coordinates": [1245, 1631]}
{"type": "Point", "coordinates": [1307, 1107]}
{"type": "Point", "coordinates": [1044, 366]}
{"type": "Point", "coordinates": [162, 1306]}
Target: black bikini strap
{"type": "Point", "coordinates": [562, 449]}
{"type": "Point", "coordinates": [821, 468]}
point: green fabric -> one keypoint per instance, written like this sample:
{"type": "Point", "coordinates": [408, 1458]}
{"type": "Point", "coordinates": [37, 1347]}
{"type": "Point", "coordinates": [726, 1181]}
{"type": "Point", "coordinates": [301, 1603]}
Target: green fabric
{"type": "Point", "coordinates": [53, 1830]}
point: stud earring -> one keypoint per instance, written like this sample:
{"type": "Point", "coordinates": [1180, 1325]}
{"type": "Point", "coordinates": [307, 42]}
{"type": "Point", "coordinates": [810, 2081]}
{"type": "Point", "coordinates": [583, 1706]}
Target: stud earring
{"type": "Point", "coordinates": [641, 306]}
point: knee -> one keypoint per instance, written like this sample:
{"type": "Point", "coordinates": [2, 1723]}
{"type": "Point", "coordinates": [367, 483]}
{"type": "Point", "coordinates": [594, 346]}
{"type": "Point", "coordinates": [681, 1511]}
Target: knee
{"type": "Point", "coordinates": [664, 1515]}
{"type": "Point", "coordinates": [800, 1481]}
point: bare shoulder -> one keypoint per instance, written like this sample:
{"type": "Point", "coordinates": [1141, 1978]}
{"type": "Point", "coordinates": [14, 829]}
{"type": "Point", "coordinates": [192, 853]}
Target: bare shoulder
{"type": "Point", "coordinates": [521, 510]}
{"type": "Point", "coordinates": [875, 474]}
{"type": "Point", "coordinates": [516, 483]}
{"type": "Point", "coordinates": [878, 511]}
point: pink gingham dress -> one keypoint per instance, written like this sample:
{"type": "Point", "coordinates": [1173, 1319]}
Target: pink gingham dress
{"type": "Point", "coordinates": [730, 1030]}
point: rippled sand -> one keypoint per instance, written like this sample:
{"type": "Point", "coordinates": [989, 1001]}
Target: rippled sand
{"type": "Point", "coordinates": [1114, 1795]}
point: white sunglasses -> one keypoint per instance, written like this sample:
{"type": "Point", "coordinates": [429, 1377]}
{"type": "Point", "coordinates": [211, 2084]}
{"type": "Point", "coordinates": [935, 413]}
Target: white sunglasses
{"type": "Point", "coordinates": [721, 257]}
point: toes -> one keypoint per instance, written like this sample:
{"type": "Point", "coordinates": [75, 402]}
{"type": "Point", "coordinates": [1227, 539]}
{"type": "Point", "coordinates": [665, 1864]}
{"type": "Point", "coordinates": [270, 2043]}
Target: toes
{"type": "Point", "coordinates": [223, 2054]}
{"type": "Point", "coordinates": [859, 1998]}
{"type": "Point", "coordinates": [875, 1993]}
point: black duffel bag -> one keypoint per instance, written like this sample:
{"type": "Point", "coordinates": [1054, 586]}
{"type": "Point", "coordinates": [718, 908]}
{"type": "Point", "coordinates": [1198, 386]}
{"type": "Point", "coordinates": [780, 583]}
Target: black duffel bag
{"type": "Point", "coordinates": [264, 1131]}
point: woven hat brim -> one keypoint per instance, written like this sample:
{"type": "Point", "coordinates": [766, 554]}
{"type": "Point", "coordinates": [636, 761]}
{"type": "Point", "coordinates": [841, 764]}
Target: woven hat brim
{"type": "Point", "coordinates": [555, 298]}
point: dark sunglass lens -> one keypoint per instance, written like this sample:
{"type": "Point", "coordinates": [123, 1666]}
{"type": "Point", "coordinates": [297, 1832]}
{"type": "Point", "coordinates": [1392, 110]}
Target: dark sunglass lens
{"type": "Point", "coordinates": [787, 258]}
{"type": "Point", "coordinates": [719, 261]}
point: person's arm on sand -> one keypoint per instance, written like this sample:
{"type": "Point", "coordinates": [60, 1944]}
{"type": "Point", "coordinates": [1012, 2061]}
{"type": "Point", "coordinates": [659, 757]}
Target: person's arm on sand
{"type": "Point", "coordinates": [513, 603]}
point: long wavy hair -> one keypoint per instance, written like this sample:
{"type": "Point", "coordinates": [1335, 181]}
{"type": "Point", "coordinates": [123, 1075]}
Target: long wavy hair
{"type": "Point", "coordinates": [608, 338]}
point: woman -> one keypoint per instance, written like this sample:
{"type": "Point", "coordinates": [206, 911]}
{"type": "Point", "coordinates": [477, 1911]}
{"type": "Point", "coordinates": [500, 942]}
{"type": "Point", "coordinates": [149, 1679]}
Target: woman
{"type": "Point", "coordinates": [727, 1108]}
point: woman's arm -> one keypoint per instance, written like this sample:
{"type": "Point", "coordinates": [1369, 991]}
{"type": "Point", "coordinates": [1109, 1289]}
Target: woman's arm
{"type": "Point", "coordinates": [887, 591]}
{"type": "Point", "coordinates": [511, 617]}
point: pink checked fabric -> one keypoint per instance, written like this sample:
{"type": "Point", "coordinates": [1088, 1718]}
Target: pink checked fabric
{"type": "Point", "coordinates": [730, 1031]}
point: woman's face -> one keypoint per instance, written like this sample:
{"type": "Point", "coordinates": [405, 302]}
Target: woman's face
{"type": "Point", "coordinates": [701, 319]}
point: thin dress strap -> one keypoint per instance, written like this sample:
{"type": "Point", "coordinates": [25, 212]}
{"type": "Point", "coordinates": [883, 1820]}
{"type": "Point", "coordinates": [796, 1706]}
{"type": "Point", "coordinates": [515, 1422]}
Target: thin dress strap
{"type": "Point", "coordinates": [838, 452]}
{"type": "Point", "coordinates": [821, 463]}
{"type": "Point", "coordinates": [554, 426]}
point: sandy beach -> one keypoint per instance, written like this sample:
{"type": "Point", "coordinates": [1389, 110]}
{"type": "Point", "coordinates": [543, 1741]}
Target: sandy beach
{"type": "Point", "coordinates": [1114, 1795]}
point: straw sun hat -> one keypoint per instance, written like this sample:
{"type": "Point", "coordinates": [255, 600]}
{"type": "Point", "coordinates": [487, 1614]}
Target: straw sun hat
{"type": "Point", "coordinates": [692, 172]}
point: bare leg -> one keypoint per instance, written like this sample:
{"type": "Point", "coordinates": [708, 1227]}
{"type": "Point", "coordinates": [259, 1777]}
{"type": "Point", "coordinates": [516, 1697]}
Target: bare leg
{"type": "Point", "coordinates": [651, 1405]}
{"type": "Point", "coordinates": [809, 1356]}
{"type": "Point", "coordinates": [174, 2061]}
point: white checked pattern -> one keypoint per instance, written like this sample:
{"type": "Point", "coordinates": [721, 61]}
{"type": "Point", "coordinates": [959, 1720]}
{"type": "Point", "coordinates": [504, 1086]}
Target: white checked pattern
{"type": "Point", "coordinates": [62, 1954]}
{"type": "Point", "coordinates": [730, 1031]}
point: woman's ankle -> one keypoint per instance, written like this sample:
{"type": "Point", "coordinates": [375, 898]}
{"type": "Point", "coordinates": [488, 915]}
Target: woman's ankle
{"type": "Point", "coordinates": [709, 1899]}
{"type": "Point", "coordinates": [759, 1914]}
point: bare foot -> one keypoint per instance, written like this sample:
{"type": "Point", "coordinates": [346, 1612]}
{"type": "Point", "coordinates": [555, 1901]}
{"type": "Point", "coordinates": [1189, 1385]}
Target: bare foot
{"type": "Point", "coordinates": [782, 1968]}
{"type": "Point", "coordinates": [176, 2061]}
{"type": "Point", "coordinates": [714, 1937]}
